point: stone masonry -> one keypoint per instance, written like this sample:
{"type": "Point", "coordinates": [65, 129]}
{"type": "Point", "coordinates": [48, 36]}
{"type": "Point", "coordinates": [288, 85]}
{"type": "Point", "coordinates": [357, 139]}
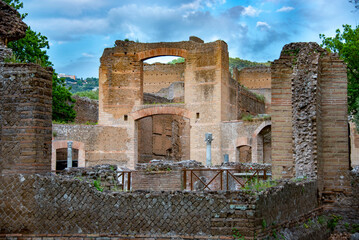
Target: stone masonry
{"type": "Point", "coordinates": [40, 205]}
{"type": "Point", "coordinates": [309, 116]}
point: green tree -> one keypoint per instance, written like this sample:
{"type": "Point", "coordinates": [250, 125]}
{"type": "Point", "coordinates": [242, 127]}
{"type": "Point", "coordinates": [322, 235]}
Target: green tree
{"type": "Point", "coordinates": [32, 49]}
{"type": "Point", "coordinates": [346, 44]}
{"type": "Point", "coordinates": [177, 60]}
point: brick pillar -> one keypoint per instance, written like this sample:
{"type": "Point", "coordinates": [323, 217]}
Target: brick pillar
{"type": "Point", "coordinates": [282, 145]}
{"type": "Point", "coordinates": [309, 116]}
{"type": "Point", "coordinates": [26, 114]}
{"type": "Point", "coordinates": [334, 104]}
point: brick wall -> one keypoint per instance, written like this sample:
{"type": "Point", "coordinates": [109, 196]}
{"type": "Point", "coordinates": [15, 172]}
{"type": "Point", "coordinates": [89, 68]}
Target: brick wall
{"type": "Point", "coordinates": [170, 180]}
{"type": "Point", "coordinates": [310, 129]}
{"type": "Point", "coordinates": [157, 76]}
{"type": "Point", "coordinates": [255, 77]}
{"type": "Point", "coordinates": [41, 205]}
{"type": "Point", "coordinates": [26, 107]}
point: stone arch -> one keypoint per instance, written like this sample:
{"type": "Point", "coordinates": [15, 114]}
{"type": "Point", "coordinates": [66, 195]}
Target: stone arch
{"type": "Point", "coordinates": [257, 143]}
{"type": "Point", "coordinates": [157, 52]}
{"type": "Point", "coordinates": [58, 144]}
{"type": "Point", "coordinates": [244, 153]}
{"type": "Point", "coordinates": [160, 110]}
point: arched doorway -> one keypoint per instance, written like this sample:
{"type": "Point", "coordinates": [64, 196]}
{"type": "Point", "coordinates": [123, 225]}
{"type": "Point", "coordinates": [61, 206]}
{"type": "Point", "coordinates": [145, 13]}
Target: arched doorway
{"type": "Point", "coordinates": [262, 143]}
{"type": "Point", "coordinates": [162, 133]}
{"type": "Point", "coordinates": [59, 154]}
{"type": "Point", "coordinates": [244, 154]}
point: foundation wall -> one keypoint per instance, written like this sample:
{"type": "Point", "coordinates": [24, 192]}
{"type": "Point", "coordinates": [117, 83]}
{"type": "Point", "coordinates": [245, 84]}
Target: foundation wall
{"type": "Point", "coordinates": [44, 205]}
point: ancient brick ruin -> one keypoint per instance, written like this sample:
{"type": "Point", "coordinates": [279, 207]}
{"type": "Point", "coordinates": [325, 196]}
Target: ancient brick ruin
{"type": "Point", "coordinates": [162, 111]}
{"type": "Point", "coordinates": [25, 105]}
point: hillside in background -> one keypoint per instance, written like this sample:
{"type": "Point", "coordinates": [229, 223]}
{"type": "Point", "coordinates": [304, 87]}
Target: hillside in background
{"type": "Point", "coordinates": [240, 63]}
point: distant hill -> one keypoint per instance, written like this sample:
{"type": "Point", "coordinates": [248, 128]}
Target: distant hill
{"type": "Point", "coordinates": [82, 85]}
{"type": "Point", "coordinates": [240, 63]}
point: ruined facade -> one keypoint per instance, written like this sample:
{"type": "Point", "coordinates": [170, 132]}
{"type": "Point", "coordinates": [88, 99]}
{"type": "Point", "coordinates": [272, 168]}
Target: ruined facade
{"type": "Point", "coordinates": [309, 117]}
{"type": "Point", "coordinates": [309, 138]}
{"type": "Point", "coordinates": [136, 123]}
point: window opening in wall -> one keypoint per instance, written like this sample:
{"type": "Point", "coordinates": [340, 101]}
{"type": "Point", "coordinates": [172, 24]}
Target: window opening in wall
{"type": "Point", "coordinates": [125, 117]}
{"type": "Point", "coordinates": [61, 158]}
{"type": "Point", "coordinates": [197, 115]}
{"type": "Point", "coordinates": [244, 154]}
{"type": "Point", "coordinates": [264, 145]}
{"type": "Point", "coordinates": [163, 80]}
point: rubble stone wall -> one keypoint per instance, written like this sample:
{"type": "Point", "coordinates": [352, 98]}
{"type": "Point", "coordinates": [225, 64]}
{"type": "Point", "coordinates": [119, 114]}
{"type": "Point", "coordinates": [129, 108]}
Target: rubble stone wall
{"type": "Point", "coordinates": [310, 126]}
{"type": "Point", "coordinates": [41, 205]}
{"type": "Point", "coordinates": [86, 110]}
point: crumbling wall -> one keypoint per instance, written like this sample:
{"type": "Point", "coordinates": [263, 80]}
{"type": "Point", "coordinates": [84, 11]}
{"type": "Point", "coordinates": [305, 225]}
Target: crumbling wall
{"type": "Point", "coordinates": [157, 76]}
{"type": "Point", "coordinates": [310, 131]}
{"type": "Point", "coordinates": [86, 110]}
{"type": "Point", "coordinates": [249, 103]}
{"type": "Point", "coordinates": [44, 205]}
{"type": "Point", "coordinates": [103, 144]}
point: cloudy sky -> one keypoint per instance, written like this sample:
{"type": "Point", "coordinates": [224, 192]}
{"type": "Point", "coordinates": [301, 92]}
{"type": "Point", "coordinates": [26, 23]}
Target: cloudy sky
{"type": "Point", "coordinates": [256, 30]}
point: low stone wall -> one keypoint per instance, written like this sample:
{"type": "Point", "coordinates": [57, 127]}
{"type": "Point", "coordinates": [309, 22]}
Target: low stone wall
{"type": "Point", "coordinates": [34, 204]}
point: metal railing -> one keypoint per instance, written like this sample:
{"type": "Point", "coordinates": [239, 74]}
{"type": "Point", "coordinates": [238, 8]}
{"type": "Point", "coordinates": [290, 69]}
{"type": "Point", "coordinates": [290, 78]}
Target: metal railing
{"type": "Point", "coordinates": [240, 176]}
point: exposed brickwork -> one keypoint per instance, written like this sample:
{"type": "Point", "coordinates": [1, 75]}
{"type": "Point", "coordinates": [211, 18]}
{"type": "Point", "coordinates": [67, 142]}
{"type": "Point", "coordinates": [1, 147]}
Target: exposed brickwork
{"type": "Point", "coordinates": [157, 76]}
{"type": "Point", "coordinates": [51, 205]}
{"type": "Point", "coordinates": [102, 144]}
{"type": "Point", "coordinates": [310, 131]}
{"type": "Point", "coordinates": [354, 145]}
{"type": "Point", "coordinates": [26, 107]}
{"type": "Point", "coordinates": [165, 180]}
{"type": "Point", "coordinates": [255, 77]}
{"type": "Point", "coordinates": [249, 103]}
{"type": "Point", "coordinates": [163, 137]}
{"type": "Point", "coordinates": [11, 26]}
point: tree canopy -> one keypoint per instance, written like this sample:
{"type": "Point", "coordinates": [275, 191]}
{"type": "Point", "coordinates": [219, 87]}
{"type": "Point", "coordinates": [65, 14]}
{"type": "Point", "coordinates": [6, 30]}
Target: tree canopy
{"type": "Point", "coordinates": [32, 49]}
{"type": "Point", "coordinates": [346, 44]}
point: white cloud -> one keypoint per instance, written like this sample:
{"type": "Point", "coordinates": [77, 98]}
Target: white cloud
{"type": "Point", "coordinates": [262, 25]}
{"type": "Point", "coordinates": [88, 55]}
{"type": "Point", "coordinates": [251, 11]}
{"type": "Point", "coordinates": [285, 9]}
